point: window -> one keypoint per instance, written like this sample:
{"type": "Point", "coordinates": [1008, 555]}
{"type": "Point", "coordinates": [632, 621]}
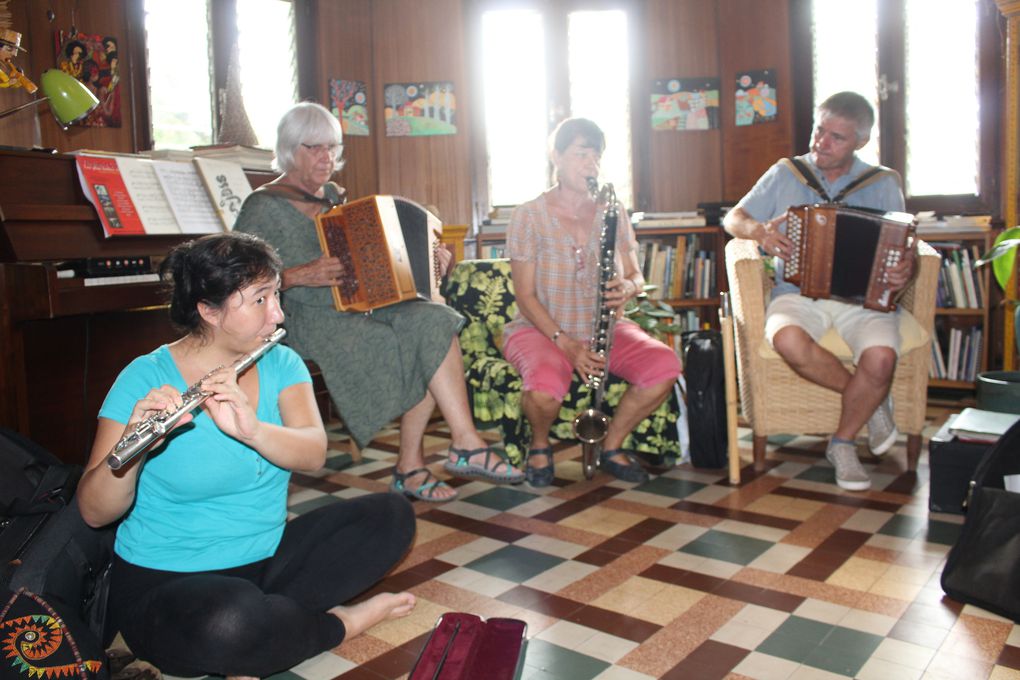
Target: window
{"type": "Point", "coordinates": [519, 47]}
{"type": "Point", "coordinates": [919, 62]}
{"type": "Point", "coordinates": [182, 75]}
{"type": "Point", "coordinates": [179, 74]}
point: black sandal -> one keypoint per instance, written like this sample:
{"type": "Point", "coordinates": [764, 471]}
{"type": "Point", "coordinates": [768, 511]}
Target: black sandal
{"type": "Point", "coordinates": [631, 471]}
{"type": "Point", "coordinates": [540, 476]}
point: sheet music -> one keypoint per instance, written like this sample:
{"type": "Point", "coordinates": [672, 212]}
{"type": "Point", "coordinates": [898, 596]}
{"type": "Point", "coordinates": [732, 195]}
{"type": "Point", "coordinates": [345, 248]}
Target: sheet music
{"type": "Point", "coordinates": [147, 193]}
{"type": "Point", "coordinates": [227, 185]}
{"type": "Point", "coordinates": [188, 198]}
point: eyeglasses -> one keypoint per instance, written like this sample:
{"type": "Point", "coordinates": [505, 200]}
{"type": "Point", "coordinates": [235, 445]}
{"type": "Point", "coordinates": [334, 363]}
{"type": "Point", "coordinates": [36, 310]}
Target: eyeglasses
{"type": "Point", "coordinates": [332, 150]}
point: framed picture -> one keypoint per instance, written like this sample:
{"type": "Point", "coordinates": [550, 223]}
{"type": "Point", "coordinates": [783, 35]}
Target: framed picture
{"type": "Point", "coordinates": [95, 61]}
{"type": "Point", "coordinates": [420, 109]}
{"type": "Point", "coordinates": [755, 97]}
{"type": "Point", "coordinates": [685, 104]}
{"type": "Point", "coordinates": [349, 102]}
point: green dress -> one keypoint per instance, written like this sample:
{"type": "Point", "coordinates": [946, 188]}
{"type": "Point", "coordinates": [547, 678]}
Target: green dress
{"type": "Point", "coordinates": [376, 365]}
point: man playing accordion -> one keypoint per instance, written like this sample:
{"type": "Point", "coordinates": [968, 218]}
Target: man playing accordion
{"type": "Point", "coordinates": [831, 173]}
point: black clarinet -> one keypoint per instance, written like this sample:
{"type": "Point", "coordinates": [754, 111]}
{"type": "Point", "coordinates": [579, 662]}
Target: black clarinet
{"type": "Point", "coordinates": [591, 425]}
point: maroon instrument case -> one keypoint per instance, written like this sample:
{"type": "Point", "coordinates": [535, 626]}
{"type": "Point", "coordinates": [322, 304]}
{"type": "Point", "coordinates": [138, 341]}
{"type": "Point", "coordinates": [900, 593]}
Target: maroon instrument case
{"type": "Point", "coordinates": [464, 646]}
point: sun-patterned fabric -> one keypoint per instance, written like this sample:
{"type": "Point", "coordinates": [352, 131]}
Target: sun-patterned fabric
{"type": "Point", "coordinates": [482, 291]}
{"type": "Point", "coordinates": [35, 642]}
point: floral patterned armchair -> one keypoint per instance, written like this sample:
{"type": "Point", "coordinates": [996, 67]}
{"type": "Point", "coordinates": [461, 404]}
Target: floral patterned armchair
{"type": "Point", "coordinates": [482, 291]}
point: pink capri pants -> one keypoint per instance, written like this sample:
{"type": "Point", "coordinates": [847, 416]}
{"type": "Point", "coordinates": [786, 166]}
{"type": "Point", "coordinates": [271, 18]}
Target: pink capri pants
{"type": "Point", "coordinates": [635, 356]}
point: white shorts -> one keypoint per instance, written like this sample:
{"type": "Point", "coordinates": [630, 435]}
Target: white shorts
{"type": "Point", "coordinates": [860, 328]}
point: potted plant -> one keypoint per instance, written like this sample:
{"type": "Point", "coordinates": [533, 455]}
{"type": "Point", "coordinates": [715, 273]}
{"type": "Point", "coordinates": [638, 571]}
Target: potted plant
{"type": "Point", "coordinates": [655, 316]}
{"type": "Point", "coordinates": [1000, 390]}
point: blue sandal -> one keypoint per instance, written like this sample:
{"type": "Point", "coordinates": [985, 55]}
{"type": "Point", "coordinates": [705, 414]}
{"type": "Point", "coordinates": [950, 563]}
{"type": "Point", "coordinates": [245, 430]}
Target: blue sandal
{"type": "Point", "coordinates": [463, 467]}
{"type": "Point", "coordinates": [540, 476]}
{"type": "Point", "coordinates": [425, 491]}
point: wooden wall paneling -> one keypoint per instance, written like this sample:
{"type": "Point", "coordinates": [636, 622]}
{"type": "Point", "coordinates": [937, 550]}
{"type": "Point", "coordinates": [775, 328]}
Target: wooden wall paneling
{"type": "Point", "coordinates": [70, 364]}
{"type": "Point", "coordinates": [754, 34]}
{"type": "Point", "coordinates": [683, 38]}
{"type": "Point", "coordinates": [345, 51]}
{"type": "Point", "coordinates": [415, 41]}
{"type": "Point", "coordinates": [38, 37]}
{"type": "Point", "coordinates": [20, 129]}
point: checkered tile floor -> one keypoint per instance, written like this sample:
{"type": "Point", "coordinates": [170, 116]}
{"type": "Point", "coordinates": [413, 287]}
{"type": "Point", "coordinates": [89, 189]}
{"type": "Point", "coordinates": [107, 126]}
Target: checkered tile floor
{"type": "Point", "coordinates": [783, 577]}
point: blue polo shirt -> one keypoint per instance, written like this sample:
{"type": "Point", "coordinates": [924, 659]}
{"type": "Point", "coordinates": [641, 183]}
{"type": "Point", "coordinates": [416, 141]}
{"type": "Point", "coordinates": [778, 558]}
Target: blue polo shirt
{"type": "Point", "coordinates": [204, 500]}
{"type": "Point", "coordinates": [778, 189]}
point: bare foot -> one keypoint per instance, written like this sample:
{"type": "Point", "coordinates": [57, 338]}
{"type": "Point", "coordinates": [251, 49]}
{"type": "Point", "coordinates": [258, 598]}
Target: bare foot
{"type": "Point", "coordinates": [360, 617]}
{"type": "Point", "coordinates": [241, 677]}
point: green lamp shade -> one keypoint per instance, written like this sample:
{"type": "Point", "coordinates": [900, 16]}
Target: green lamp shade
{"type": "Point", "coordinates": [69, 99]}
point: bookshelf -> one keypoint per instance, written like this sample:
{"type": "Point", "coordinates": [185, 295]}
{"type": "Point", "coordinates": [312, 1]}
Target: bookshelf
{"type": "Point", "coordinates": [686, 264]}
{"type": "Point", "coordinates": [695, 297]}
{"type": "Point", "coordinates": [961, 314]}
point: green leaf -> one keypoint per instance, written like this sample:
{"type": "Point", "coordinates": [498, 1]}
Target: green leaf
{"type": "Point", "coordinates": [1003, 255]}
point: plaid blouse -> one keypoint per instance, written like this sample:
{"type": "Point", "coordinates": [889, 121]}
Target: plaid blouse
{"type": "Point", "coordinates": [566, 274]}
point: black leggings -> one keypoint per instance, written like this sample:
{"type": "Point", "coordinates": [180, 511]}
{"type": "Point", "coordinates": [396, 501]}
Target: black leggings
{"type": "Point", "coordinates": [265, 617]}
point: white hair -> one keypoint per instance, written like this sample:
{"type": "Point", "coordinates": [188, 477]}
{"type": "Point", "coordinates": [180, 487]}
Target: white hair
{"type": "Point", "coordinates": [306, 123]}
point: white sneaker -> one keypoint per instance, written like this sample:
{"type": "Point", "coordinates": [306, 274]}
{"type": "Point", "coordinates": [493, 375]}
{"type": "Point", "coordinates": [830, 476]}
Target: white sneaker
{"type": "Point", "coordinates": [882, 430]}
{"type": "Point", "coordinates": [850, 475]}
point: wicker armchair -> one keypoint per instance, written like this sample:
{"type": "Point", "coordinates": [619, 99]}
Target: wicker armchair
{"type": "Point", "coordinates": [775, 400]}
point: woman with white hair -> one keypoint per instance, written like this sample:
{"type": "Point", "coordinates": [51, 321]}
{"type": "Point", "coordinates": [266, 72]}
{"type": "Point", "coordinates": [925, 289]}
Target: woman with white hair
{"type": "Point", "coordinates": [400, 361]}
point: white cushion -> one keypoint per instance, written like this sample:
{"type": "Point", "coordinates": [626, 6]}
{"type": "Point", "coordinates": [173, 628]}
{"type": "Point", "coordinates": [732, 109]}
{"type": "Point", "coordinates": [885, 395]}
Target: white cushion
{"type": "Point", "coordinates": [912, 336]}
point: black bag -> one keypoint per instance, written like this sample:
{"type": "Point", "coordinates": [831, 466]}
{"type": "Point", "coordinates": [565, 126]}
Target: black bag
{"type": "Point", "coordinates": [46, 548]}
{"type": "Point", "coordinates": [706, 397]}
{"type": "Point", "coordinates": [983, 568]}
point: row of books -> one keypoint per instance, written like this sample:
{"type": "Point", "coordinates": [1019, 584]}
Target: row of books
{"type": "Point", "coordinates": [956, 354]}
{"type": "Point", "coordinates": [959, 284]}
{"type": "Point", "coordinates": [139, 196]}
{"type": "Point", "coordinates": [683, 270]}
{"type": "Point", "coordinates": [492, 252]}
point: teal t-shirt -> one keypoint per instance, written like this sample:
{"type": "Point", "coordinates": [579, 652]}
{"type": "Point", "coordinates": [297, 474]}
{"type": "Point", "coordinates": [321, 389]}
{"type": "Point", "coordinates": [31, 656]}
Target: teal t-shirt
{"type": "Point", "coordinates": [204, 500]}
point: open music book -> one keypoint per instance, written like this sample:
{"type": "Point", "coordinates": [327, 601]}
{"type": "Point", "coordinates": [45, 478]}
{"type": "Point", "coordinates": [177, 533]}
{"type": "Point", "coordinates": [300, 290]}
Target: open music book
{"type": "Point", "coordinates": [136, 196]}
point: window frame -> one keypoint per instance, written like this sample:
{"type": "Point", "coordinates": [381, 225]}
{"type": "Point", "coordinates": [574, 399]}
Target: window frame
{"type": "Point", "coordinates": [892, 121]}
{"type": "Point", "coordinates": [222, 20]}
{"type": "Point", "coordinates": [555, 13]}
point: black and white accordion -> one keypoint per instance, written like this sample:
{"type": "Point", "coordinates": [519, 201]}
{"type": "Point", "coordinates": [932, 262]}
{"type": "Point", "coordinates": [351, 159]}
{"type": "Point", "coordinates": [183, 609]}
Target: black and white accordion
{"type": "Point", "coordinates": [845, 253]}
{"type": "Point", "coordinates": [387, 246]}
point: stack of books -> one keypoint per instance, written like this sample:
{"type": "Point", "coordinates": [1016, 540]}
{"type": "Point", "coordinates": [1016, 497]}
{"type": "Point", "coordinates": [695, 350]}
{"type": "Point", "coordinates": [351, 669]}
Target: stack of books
{"type": "Point", "coordinates": [497, 220]}
{"type": "Point", "coordinates": [249, 157]}
{"type": "Point", "coordinates": [686, 218]}
{"type": "Point", "coordinates": [977, 425]}
{"type": "Point", "coordinates": [170, 154]}
{"type": "Point", "coordinates": [930, 224]}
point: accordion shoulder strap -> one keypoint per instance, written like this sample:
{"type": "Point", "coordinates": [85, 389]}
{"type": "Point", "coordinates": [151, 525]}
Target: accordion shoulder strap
{"type": "Point", "coordinates": [802, 172]}
{"type": "Point", "coordinates": [333, 195]}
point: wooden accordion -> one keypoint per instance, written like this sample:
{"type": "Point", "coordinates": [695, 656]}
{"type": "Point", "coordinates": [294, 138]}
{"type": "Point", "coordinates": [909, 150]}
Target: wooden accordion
{"type": "Point", "coordinates": [845, 253]}
{"type": "Point", "coordinates": [387, 246]}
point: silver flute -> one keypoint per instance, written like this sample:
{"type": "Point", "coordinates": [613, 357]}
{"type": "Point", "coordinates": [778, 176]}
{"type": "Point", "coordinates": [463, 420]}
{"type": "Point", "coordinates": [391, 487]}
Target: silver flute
{"type": "Point", "coordinates": [155, 426]}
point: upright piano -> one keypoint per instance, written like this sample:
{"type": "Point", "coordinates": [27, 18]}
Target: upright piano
{"type": "Point", "coordinates": [64, 340]}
